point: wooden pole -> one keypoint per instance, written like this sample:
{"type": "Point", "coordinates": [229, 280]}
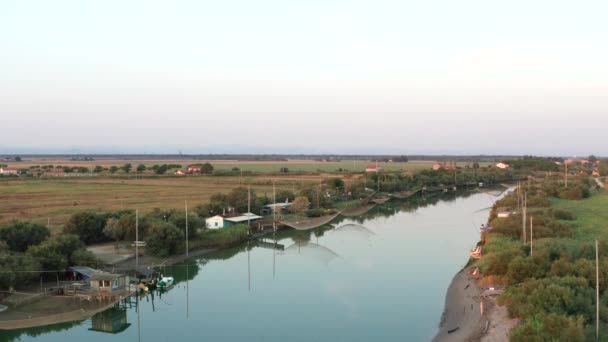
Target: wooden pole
{"type": "Point", "coordinates": [523, 213]}
{"type": "Point", "coordinates": [136, 239]}
{"type": "Point", "coordinates": [566, 174]}
{"type": "Point", "coordinates": [597, 293]}
{"type": "Point", "coordinates": [531, 236]}
{"type": "Point", "coordinates": [186, 204]}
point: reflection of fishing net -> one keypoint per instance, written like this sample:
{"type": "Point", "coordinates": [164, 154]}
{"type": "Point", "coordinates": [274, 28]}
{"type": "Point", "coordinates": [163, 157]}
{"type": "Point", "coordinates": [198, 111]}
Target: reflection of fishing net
{"type": "Point", "coordinates": [312, 251]}
{"type": "Point", "coordinates": [358, 210]}
{"type": "Point", "coordinates": [306, 223]}
{"type": "Point", "coordinates": [356, 230]}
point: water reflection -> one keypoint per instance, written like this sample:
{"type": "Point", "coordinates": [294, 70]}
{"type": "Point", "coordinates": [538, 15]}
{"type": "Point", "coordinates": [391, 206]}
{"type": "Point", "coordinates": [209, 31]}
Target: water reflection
{"type": "Point", "coordinates": [312, 251]}
{"type": "Point", "coordinates": [325, 272]}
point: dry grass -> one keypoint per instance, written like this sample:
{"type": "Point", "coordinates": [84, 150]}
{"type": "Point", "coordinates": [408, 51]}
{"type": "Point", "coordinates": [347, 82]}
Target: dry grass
{"type": "Point", "coordinates": [57, 199]}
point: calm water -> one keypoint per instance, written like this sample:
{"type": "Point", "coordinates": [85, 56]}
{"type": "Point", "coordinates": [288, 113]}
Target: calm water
{"type": "Point", "coordinates": [381, 276]}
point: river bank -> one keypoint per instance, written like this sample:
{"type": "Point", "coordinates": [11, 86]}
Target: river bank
{"type": "Point", "coordinates": [462, 319]}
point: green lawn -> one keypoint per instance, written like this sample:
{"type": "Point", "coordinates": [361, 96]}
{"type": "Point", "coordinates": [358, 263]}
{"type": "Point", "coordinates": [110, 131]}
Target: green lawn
{"type": "Point", "coordinates": [591, 215]}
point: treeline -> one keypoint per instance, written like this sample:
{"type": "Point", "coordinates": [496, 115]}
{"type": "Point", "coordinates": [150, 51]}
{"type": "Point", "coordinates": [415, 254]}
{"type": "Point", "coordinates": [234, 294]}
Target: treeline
{"type": "Point", "coordinates": [553, 289]}
{"type": "Point", "coordinates": [27, 248]}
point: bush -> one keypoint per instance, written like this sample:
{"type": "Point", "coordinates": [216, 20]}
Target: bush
{"type": "Point", "coordinates": [562, 214]}
{"type": "Point", "coordinates": [220, 238]}
{"type": "Point", "coordinates": [549, 327]}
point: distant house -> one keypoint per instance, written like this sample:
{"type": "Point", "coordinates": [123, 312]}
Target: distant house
{"type": "Point", "coordinates": [442, 166]}
{"type": "Point", "coordinates": [180, 173]}
{"type": "Point", "coordinates": [194, 169]}
{"type": "Point", "coordinates": [247, 217]}
{"type": "Point", "coordinates": [502, 166]}
{"type": "Point", "coordinates": [373, 168]}
{"type": "Point", "coordinates": [8, 171]}
{"type": "Point", "coordinates": [215, 222]}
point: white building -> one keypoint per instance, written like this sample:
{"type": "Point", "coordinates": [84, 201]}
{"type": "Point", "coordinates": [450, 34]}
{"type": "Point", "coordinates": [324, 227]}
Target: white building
{"type": "Point", "coordinates": [215, 222]}
{"type": "Point", "coordinates": [8, 171]}
{"type": "Point", "coordinates": [246, 217]}
{"type": "Point", "coordinates": [502, 166]}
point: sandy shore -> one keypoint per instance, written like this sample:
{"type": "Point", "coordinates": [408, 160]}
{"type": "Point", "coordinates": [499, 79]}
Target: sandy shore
{"type": "Point", "coordinates": [462, 319]}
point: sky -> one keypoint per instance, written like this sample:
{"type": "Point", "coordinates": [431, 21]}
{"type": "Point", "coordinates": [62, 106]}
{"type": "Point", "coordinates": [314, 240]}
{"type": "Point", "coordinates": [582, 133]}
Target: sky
{"type": "Point", "coordinates": [315, 76]}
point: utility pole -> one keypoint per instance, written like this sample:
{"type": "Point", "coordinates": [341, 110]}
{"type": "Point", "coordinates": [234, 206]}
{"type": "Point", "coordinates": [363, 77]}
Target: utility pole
{"type": "Point", "coordinates": [187, 250]}
{"type": "Point", "coordinates": [531, 236]}
{"type": "Point", "coordinates": [274, 208]}
{"type": "Point", "coordinates": [136, 239]}
{"type": "Point", "coordinates": [566, 174]}
{"type": "Point", "coordinates": [524, 213]}
{"type": "Point", "coordinates": [597, 293]}
{"type": "Point", "coordinates": [248, 205]}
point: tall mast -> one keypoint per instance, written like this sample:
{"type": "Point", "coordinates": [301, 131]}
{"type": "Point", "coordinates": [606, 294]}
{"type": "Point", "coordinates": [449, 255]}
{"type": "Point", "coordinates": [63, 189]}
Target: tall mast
{"type": "Point", "coordinates": [248, 205]}
{"type": "Point", "coordinates": [136, 239]}
{"type": "Point", "coordinates": [274, 207]}
{"type": "Point", "coordinates": [186, 203]}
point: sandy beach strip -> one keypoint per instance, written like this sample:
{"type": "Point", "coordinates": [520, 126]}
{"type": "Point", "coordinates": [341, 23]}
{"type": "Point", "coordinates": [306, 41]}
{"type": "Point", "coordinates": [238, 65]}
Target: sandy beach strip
{"type": "Point", "coordinates": [462, 319]}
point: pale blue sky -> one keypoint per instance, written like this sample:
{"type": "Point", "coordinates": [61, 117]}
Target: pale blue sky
{"type": "Point", "coordinates": [304, 76]}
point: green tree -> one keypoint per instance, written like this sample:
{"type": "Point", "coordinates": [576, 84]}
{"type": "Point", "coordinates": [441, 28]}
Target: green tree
{"type": "Point", "coordinates": [17, 269]}
{"type": "Point", "coordinates": [97, 169]}
{"type": "Point", "coordinates": [141, 168]}
{"type": "Point", "coordinates": [18, 158]}
{"type": "Point", "coordinates": [162, 169]}
{"type": "Point", "coordinates": [56, 252]}
{"type": "Point", "coordinates": [163, 239]}
{"type": "Point", "coordinates": [194, 223]}
{"type": "Point", "coordinates": [238, 199]}
{"type": "Point", "coordinates": [113, 169]}
{"type": "Point", "coordinates": [88, 226]}
{"type": "Point", "coordinates": [207, 168]}
{"type": "Point", "coordinates": [127, 167]}
{"type": "Point", "coordinates": [19, 235]}
{"type": "Point", "coordinates": [335, 183]}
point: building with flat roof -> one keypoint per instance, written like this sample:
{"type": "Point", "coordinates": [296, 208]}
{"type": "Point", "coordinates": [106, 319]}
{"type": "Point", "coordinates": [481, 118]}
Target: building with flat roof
{"type": "Point", "coordinates": [247, 217]}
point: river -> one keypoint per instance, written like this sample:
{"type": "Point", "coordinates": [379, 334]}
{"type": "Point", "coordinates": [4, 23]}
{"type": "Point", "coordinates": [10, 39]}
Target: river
{"type": "Point", "coordinates": [381, 276]}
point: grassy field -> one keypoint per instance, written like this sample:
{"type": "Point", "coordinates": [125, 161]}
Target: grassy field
{"type": "Point", "coordinates": [591, 215]}
{"type": "Point", "coordinates": [57, 199]}
{"type": "Point", "coordinates": [246, 166]}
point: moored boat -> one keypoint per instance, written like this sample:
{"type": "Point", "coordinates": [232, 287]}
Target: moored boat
{"type": "Point", "coordinates": [165, 282]}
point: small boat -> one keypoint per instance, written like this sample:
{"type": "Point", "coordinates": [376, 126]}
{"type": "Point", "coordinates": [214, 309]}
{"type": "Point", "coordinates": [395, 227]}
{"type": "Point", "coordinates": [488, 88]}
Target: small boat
{"type": "Point", "coordinates": [165, 282]}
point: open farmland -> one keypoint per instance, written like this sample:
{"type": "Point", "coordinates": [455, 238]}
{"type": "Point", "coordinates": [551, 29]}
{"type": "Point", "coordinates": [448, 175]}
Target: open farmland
{"type": "Point", "coordinates": [57, 199]}
{"type": "Point", "coordinates": [246, 166]}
